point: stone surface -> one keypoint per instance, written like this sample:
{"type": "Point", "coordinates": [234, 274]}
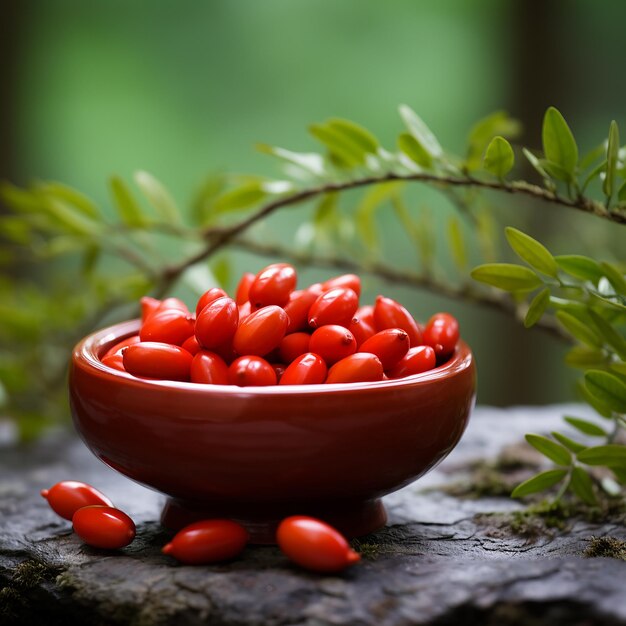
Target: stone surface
{"type": "Point", "coordinates": [444, 557]}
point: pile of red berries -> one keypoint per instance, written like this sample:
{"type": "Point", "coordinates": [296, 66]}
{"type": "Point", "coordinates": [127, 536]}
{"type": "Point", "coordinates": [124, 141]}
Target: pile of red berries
{"type": "Point", "coordinates": [271, 333]}
{"type": "Point", "coordinates": [308, 542]}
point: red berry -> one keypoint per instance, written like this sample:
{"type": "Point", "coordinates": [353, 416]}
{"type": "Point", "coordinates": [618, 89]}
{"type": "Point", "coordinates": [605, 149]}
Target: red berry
{"type": "Point", "coordinates": [351, 281]}
{"type": "Point", "coordinates": [272, 285]}
{"type": "Point", "coordinates": [114, 361]}
{"type": "Point", "coordinates": [356, 368]}
{"type": "Point", "coordinates": [389, 345]}
{"type": "Point", "coordinates": [243, 288]}
{"type": "Point", "coordinates": [314, 545]}
{"type": "Point", "coordinates": [251, 371]}
{"type": "Point", "coordinates": [307, 369]}
{"type": "Point", "coordinates": [298, 309]}
{"type": "Point", "coordinates": [332, 343]}
{"type": "Point", "coordinates": [191, 345]}
{"type": "Point", "coordinates": [417, 360]}
{"type": "Point", "coordinates": [209, 296]}
{"type": "Point", "coordinates": [442, 333]}
{"type": "Point", "coordinates": [209, 541]}
{"type": "Point", "coordinates": [167, 326]}
{"type": "Point", "coordinates": [292, 346]}
{"type": "Point", "coordinates": [390, 314]}
{"type": "Point", "coordinates": [120, 345]}
{"type": "Point", "coordinates": [148, 307]}
{"type": "Point", "coordinates": [152, 359]}
{"type": "Point", "coordinates": [209, 368]}
{"type": "Point", "coordinates": [66, 497]}
{"type": "Point", "coordinates": [336, 306]}
{"type": "Point", "coordinates": [361, 329]}
{"type": "Point", "coordinates": [261, 331]}
{"type": "Point", "coordinates": [173, 303]}
{"type": "Point", "coordinates": [103, 527]}
{"type": "Point", "coordinates": [217, 323]}
{"type": "Point", "coordinates": [366, 314]}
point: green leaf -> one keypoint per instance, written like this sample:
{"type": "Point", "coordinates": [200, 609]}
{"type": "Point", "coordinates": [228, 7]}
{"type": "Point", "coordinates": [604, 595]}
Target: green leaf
{"type": "Point", "coordinates": [91, 256]}
{"type": "Point", "coordinates": [585, 426]}
{"type": "Point", "coordinates": [611, 160]}
{"type": "Point", "coordinates": [554, 451]}
{"type": "Point", "coordinates": [15, 229]}
{"type": "Point", "coordinates": [583, 357]}
{"type": "Point", "coordinates": [570, 444]}
{"type": "Point", "coordinates": [537, 308]}
{"type": "Point", "coordinates": [609, 455]}
{"type": "Point", "coordinates": [420, 131]}
{"type": "Point", "coordinates": [615, 276]}
{"type": "Point", "coordinates": [578, 329]}
{"type": "Point", "coordinates": [203, 202]}
{"type": "Point", "coordinates": [559, 144]}
{"type": "Point", "coordinates": [539, 482]}
{"type": "Point", "coordinates": [309, 161]}
{"type": "Point", "coordinates": [240, 198]}
{"type": "Point", "coordinates": [593, 155]}
{"type": "Point", "coordinates": [611, 336]}
{"type": "Point", "coordinates": [341, 147]}
{"type": "Point", "coordinates": [127, 207]}
{"type": "Point", "coordinates": [555, 170]}
{"type": "Point", "coordinates": [497, 123]}
{"type": "Point", "coordinates": [499, 157]}
{"type": "Point", "coordinates": [621, 194]}
{"type": "Point", "coordinates": [536, 164]}
{"type": "Point", "coordinates": [531, 251]}
{"type": "Point", "coordinates": [70, 196]}
{"type": "Point", "coordinates": [158, 196]}
{"type": "Point", "coordinates": [372, 199]}
{"type": "Point", "coordinates": [579, 266]}
{"type": "Point", "coordinates": [620, 474]}
{"type": "Point", "coordinates": [414, 150]}
{"type": "Point", "coordinates": [582, 485]}
{"type": "Point", "coordinates": [20, 200]}
{"type": "Point", "coordinates": [457, 244]}
{"type": "Point", "coordinates": [600, 407]}
{"type": "Point", "coordinates": [619, 368]}
{"type": "Point", "coordinates": [607, 388]}
{"type": "Point", "coordinates": [69, 219]}
{"type": "Point", "coordinates": [356, 133]}
{"type": "Point", "coordinates": [595, 172]}
{"type": "Point", "coordinates": [506, 276]}
{"type": "Point", "coordinates": [222, 271]}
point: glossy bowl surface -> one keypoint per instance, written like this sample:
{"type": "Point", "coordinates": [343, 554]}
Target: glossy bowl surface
{"type": "Point", "coordinates": [259, 454]}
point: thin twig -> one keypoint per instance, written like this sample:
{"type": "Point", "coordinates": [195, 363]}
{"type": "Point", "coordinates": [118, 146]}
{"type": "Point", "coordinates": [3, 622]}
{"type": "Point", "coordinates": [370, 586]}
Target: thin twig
{"type": "Point", "coordinates": [217, 238]}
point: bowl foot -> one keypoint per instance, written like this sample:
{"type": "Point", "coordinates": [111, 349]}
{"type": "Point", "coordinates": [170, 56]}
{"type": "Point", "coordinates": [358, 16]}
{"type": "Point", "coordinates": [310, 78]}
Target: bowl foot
{"type": "Point", "coordinates": [352, 519]}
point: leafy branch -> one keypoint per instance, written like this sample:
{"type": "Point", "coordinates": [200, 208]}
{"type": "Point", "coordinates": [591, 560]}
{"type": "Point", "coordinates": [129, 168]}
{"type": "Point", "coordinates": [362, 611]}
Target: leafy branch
{"type": "Point", "coordinates": [589, 301]}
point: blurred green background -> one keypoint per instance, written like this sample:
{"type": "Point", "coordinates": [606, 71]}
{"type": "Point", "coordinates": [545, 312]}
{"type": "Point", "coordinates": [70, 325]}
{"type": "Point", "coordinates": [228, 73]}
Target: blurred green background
{"type": "Point", "coordinates": [185, 88]}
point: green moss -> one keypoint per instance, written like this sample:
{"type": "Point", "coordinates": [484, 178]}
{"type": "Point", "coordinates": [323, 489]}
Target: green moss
{"type": "Point", "coordinates": [606, 547]}
{"type": "Point", "coordinates": [368, 550]}
{"type": "Point", "coordinates": [492, 479]}
{"type": "Point", "coordinates": [544, 517]}
{"type": "Point", "coordinates": [26, 575]}
{"type": "Point", "coordinates": [29, 574]}
{"type": "Point", "coordinates": [485, 480]}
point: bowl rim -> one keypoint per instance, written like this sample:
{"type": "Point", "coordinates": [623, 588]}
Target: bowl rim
{"type": "Point", "coordinates": [86, 356]}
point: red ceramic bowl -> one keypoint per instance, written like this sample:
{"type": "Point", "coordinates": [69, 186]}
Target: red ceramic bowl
{"type": "Point", "coordinates": [258, 454]}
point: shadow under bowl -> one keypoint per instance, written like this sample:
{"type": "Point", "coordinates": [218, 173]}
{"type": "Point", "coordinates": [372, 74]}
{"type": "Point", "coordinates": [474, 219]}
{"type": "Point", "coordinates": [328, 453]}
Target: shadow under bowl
{"type": "Point", "coordinates": [259, 454]}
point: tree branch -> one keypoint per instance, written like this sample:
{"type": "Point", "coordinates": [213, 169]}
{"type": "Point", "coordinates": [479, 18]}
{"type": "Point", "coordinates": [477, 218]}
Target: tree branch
{"type": "Point", "coordinates": [217, 238]}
